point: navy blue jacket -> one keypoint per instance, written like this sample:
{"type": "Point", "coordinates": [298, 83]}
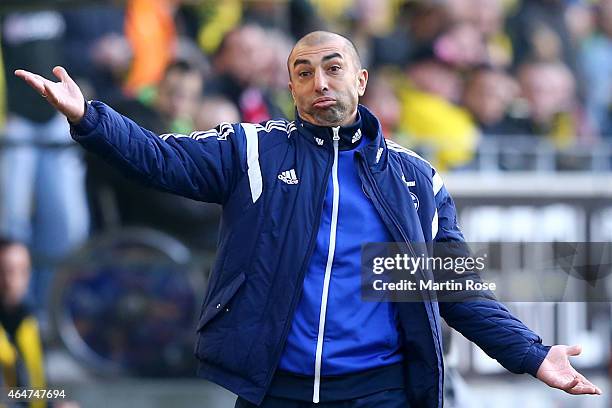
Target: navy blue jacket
{"type": "Point", "coordinates": [268, 231]}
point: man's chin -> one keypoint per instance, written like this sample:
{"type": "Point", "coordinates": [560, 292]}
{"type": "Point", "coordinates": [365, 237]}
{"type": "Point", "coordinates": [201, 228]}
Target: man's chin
{"type": "Point", "coordinates": [328, 116]}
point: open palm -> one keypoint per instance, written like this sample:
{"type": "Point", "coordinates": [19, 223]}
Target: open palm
{"type": "Point", "coordinates": [557, 372]}
{"type": "Point", "coordinates": [65, 96]}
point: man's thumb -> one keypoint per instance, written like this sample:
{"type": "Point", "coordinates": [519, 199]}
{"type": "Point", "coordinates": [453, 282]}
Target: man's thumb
{"type": "Point", "coordinates": [573, 350]}
{"type": "Point", "coordinates": [61, 73]}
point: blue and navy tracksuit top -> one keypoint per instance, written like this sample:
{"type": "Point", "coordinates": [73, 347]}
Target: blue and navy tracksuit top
{"type": "Point", "coordinates": [283, 263]}
{"type": "Point", "coordinates": [355, 335]}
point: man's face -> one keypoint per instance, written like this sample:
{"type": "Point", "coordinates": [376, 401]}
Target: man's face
{"type": "Point", "coordinates": [326, 82]}
{"type": "Point", "coordinates": [488, 95]}
{"type": "Point", "coordinates": [243, 57]}
{"type": "Point", "coordinates": [434, 77]}
{"type": "Point", "coordinates": [14, 274]}
{"type": "Point", "coordinates": [179, 93]}
{"type": "Point", "coordinates": [549, 89]}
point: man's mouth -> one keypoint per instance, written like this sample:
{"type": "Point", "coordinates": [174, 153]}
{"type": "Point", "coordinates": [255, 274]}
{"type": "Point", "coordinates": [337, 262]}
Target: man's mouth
{"type": "Point", "coordinates": [321, 103]}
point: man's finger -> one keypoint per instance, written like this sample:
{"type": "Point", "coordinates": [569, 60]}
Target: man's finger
{"type": "Point", "coordinates": [584, 389]}
{"type": "Point", "coordinates": [62, 74]}
{"type": "Point", "coordinates": [48, 93]}
{"type": "Point", "coordinates": [574, 350]}
{"type": "Point", "coordinates": [567, 387]}
{"type": "Point", "coordinates": [35, 81]}
{"type": "Point", "coordinates": [586, 382]}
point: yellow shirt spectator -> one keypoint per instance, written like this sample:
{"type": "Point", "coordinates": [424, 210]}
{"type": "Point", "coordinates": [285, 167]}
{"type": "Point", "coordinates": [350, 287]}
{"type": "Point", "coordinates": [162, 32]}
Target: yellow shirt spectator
{"type": "Point", "coordinates": [437, 125]}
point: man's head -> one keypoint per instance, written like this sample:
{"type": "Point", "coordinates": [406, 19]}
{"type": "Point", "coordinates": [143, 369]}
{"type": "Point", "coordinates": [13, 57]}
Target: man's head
{"type": "Point", "coordinates": [179, 92]}
{"type": "Point", "coordinates": [214, 110]}
{"type": "Point", "coordinates": [435, 77]}
{"type": "Point", "coordinates": [548, 87]}
{"type": "Point", "coordinates": [14, 272]}
{"type": "Point", "coordinates": [326, 78]}
{"type": "Point", "coordinates": [241, 55]}
{"type": "Point", "coordinates": [488, 94]}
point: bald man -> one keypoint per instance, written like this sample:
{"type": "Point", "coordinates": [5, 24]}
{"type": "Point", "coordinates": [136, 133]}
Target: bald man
{"type": "Point", "coordinates": [283, 323]}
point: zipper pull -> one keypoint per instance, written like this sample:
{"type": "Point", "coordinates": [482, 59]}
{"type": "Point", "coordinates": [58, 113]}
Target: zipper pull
{"type": "Point", "coordinates": [336, 131]}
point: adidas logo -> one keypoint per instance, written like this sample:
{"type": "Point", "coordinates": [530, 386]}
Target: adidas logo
{"type": "Point", "coordinates": [288, 177]}
{"type": "Point", "coordinates": [356, 136]}
{"type": "Point", "coordinates": [319, 141]}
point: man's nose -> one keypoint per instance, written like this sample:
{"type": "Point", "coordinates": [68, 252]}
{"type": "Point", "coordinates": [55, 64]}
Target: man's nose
{"type": "Point", "coordinates": [321, 84]}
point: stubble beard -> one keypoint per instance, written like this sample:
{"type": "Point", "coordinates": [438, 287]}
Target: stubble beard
{"type": "Point", "coordinates": [332, 116]}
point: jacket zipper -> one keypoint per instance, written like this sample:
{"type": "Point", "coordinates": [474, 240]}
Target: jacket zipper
{"type": "Point", "coordinates": [387, 211]}
{"type": "Point", "coordinates": [297, 295]}
{"type": "Point", "coordinates": [328, 268]}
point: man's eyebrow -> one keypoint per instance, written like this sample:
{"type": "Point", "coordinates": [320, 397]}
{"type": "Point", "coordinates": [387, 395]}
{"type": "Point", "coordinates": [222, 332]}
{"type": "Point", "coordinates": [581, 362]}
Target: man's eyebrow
{"type": "Point", "coordinates": [300, 61]}
{"type": "Point", "coordinates": [331, 56]}
{"type": "Point", "coordinates": [325, 58]}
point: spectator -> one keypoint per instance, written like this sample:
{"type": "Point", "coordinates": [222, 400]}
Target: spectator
{"type": "Point", "coordinates": [42, 179]}
{"type": "Point", "coordinates": [538, 31]}
{"type": "Point", "coordinates": [274, 77]}
{"type": "Point", "coordinates": [239, 69]}
{"type": "Point", "coordinates": [96, 49]}
{"type": "Point", "coordinates": [434, 88]}
{"type": "Point", "coordinates": [174, 103]}
{"type": "Point", "coordinates": [215, 110]}
{"type": "Point", "coordinates": [488, 96]}
{"type": "Point", "coordinates": [460, 10]}
{"type": "Point", "coordinates": [596, 66]}
{"type": "Point", "coordinates": [461, 46]}
{"type": "Point", "coordinates": [303, 18]}
{"type": "Point", "coordinates": [175, 106]}
{"type": "Point", "coordinates": [151, 32]}
{"type": "Point", "coordinates": [425, 21]}
{"type": "Point", "coordinates": [374, 31]}
{"type": "Point", "coordinates": [549, 90]}
{"type": "Point", "coordinates": [216, 19]}
{"type": "Point", "coordinates": [428, 73]}
{"type": "Point", "coordinates": [488, 18]}
{"type": "Point", "coordinates": [580, 18]}
{"type": "Point", "coordinates": [21, 353]}
{"type": "Point", "coordinates": [381, 99]}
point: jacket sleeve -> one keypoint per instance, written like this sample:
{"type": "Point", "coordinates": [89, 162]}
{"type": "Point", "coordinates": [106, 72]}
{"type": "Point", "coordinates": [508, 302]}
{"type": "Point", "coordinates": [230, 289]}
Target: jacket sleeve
{"type": "Point", "coordinates": [480, 317]}
{"type": "Point", "coordinates": [204, 166]}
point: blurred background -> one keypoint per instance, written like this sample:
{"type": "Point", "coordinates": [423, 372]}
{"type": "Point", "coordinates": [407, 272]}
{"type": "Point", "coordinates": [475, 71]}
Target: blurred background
{"type": "Point", "coordinates": [101, 280]}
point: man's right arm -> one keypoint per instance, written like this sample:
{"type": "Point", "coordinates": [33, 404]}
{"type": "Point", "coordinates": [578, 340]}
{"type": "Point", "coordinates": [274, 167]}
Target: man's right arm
{"type": "Point", "coordinates": [204, 165]}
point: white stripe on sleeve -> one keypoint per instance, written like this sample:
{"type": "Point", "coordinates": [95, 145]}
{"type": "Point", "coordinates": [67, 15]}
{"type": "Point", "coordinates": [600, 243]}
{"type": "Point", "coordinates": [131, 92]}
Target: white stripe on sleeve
{"type": "Point", "coordinates": [434, 225]}
{"type": "Point", "coordinates": [437, 183]}
{"type": "Point", "coordinates": [253, 169]}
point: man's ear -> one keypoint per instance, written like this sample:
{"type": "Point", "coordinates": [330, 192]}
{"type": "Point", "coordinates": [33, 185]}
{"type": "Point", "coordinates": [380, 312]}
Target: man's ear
{"type": "Point", "coordinates": [362, 81]}
{"type": "Point", "coordinates": [291, 90]}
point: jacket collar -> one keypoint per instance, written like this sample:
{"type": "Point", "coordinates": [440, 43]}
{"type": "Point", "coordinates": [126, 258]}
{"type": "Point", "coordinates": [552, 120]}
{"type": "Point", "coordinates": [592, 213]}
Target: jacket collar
{"type": "Point", "coordinates": [350, 136]}
{"type": "Point", "coordinates": [367, 125]}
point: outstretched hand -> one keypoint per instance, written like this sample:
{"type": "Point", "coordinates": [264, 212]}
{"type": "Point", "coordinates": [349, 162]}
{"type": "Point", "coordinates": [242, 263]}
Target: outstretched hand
{"type": "Point", "coordinates": [557, 372]}
{"type": "Point", "coordinates": [65, 96]}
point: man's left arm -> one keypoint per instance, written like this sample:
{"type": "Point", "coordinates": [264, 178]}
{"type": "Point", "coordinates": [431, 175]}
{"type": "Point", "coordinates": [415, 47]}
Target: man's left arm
{"type": "Point", "coordinates": [491, 326]}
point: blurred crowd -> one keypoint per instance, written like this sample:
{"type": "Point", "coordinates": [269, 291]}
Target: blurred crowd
{"type": "Point", "coordinates": [446, 76]}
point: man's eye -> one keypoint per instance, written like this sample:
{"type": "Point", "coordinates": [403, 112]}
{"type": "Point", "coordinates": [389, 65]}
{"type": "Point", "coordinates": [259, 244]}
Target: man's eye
{"type": "Point", "coordinates": [334, 68]}
{"type": "Point", "coordinates": [303, 74]}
